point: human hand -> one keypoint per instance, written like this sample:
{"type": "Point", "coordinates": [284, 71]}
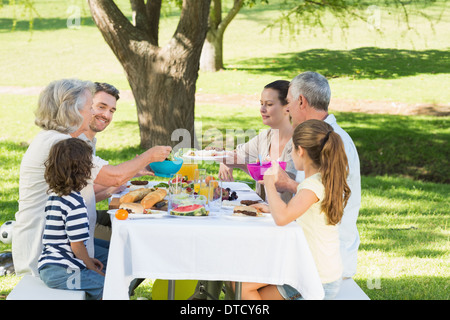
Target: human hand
{"type": "Point", "coordinates": [280, 178]}
{"type": "Point", "coordinates": [146, 171]}
{"type": "Point", "coordinates": [159, 153]}
{"type": "Point", "coordinates": [261, 207]}
{"type": "Point", "coordinates": [119, 189]}
{"type": "Point", "coordinates": [98, 265]}
{"type": "Point", "coordinates": [225, 173]}
{"type": "Point", "coordinates": [271, 175]}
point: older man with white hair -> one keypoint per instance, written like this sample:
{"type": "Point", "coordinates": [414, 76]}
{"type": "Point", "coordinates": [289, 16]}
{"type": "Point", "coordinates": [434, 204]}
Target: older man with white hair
{"type": "Point", "coordinates": [308, 98]}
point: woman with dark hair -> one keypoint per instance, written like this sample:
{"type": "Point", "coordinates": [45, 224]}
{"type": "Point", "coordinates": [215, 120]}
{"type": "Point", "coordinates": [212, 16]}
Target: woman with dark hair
{"type": "Point", "coordinates": [272, 144]}
{"type": "Point", "coordinates": [318, 206]}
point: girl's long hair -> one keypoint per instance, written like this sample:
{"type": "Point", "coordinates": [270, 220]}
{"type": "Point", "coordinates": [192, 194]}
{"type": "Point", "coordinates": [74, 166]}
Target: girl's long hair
{"type": "Point", "coordinates": [326, 150]}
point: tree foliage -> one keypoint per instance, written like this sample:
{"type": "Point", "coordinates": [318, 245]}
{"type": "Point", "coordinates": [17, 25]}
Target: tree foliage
{"type": "Point", "coordinates": [300, 15]}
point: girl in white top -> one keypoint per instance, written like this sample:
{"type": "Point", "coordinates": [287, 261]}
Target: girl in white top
{"type": "Point", "coordinates": [317, 206]}
{"type": "Point", "coordinates": [272, 144]}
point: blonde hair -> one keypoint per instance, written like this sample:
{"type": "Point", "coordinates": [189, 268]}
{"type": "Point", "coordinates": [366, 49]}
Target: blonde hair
{"type": "Point", "coordinates": [59, 105]}
{"type": "Point", "coordinates": [326, 150]}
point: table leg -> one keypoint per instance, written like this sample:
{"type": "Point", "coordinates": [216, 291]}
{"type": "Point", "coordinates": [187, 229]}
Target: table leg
{"type": "Point", "coordinates": [238, 290]}
{"type": "Point", "coordinates": [171, 290]}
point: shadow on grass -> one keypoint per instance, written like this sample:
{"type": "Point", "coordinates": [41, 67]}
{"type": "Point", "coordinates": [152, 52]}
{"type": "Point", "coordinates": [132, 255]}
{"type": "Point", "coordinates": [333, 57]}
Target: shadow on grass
{"type": "Point", "coordinates": [416, 147]}
{"type": "Point", "coordinates": [40, 24]}
{"type": "Point", "coordinates": [404, 242]}
{"type": "Point", "coordinates": [412, 146]}
{"type": "Point", "coordinates": [359, 63]}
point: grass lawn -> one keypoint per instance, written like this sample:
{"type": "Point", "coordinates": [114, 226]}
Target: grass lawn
{"type": "Point", "coordinates": [404, 217]}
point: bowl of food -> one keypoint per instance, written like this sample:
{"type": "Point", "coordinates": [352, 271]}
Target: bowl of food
{"type": "Point", "coordinates": [257, 170]}
{"type": "Point", "coordinates": [166, 168]}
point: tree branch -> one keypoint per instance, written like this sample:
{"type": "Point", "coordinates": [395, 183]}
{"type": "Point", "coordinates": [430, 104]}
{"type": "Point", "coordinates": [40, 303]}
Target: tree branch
{"type": "Point", "coordinates": [153, 10]}
{"type": "Point", "coordinates": [118, 32]}
{"type": "Point", "coordinates": [237, 5]}
{"type": "Point", "coordinates": [139, 14]}
{"type": "Point", "coordinates": [193, 24]}
{"type": "Point", "coordinates": [215, 14]}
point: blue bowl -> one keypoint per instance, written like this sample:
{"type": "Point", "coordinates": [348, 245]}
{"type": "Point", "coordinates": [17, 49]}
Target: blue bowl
{"type": "Point", "coordinates": [166, 168]}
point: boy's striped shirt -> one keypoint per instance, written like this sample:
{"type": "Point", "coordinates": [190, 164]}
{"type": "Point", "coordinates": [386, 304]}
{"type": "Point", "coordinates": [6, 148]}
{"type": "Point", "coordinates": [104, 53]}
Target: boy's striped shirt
{"type": "Point", "coordinates": [66, 221]}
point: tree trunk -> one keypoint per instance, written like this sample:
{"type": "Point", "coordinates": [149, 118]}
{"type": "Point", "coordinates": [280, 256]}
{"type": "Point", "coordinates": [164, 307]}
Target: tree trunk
{"type": "Point", "coordinates": [163, 80]}
{"type": "Point", "coordinates": [211, 59]}
{"type": "Point", "coordinates": [164, 90]}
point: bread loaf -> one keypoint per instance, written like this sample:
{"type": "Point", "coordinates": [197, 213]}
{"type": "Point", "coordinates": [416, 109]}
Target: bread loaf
{"type": "Point", "coordinates": [152, 198]}
{"type": "Point", "coordinates": [135, 195]}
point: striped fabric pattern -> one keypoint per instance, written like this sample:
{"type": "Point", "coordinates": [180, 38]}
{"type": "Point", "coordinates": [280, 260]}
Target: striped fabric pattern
{"type": "Point", "coordinates": [66, 221]}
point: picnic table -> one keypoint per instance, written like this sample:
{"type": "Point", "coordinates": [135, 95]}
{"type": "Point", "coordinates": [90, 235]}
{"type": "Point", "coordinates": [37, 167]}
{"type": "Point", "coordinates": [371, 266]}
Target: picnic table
{"type": "Point", "coordinates": [216, 247]}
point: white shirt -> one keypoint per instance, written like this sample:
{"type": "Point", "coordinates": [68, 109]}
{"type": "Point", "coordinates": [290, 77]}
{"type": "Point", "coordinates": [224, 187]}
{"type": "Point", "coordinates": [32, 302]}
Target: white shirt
{"type": "Point", "coordinates": [30, 218]}
{"type": "Point", "coordinates": [348, 232]}
{"type": "Point", "coordinates": [88, 193]}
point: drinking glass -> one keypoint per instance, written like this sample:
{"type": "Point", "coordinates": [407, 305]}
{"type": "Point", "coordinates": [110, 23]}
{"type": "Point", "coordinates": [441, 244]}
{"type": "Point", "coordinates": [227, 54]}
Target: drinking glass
{"type": "Point", "coordinates": [188, 169]}
{"type": "Point", "coordinates": [199, 178]}
{"type": "Point", "coordinates": [175, 188]}
{"type": "Point", "coordinates": [215, 195]}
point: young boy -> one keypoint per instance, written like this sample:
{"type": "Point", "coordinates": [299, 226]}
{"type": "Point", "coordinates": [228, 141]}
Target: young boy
{"type": "Point", "coordinates": [64, 262]}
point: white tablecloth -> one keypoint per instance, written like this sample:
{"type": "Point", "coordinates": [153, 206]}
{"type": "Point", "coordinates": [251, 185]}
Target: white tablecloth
{"type": "Point", "coordinates": [218, 247]}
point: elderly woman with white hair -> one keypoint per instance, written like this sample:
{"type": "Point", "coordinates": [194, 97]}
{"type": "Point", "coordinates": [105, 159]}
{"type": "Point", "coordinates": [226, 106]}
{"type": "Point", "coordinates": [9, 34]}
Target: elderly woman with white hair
{"type": "Point", "coordinates": [64, 111]}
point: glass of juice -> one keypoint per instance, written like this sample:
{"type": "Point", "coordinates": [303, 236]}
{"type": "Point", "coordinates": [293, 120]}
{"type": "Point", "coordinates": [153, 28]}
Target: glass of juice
{"type": "Point", "coordinates": [215, 195]}
{"type": "Point", "coordinates": [199, 177]}
{"type": "Point", "coordinates": [188, 170]}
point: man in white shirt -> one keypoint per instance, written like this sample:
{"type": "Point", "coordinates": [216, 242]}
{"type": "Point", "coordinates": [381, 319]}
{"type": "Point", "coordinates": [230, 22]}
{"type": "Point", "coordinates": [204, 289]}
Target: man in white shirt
{"type": "Point", "coordinates": [104, 106]}
{"type": "Point", "coordinates": [64, 111]}
{"type": "Point", "coordinates": [308, 98]}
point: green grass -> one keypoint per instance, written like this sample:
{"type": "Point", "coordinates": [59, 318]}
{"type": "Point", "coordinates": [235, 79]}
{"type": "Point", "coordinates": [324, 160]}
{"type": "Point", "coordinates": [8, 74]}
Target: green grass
{"type": "Point", "coordinates": [403, 222]}
{"type": "Point", "coordinates": [404, 217]}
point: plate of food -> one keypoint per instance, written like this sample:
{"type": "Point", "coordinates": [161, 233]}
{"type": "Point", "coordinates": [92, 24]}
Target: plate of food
{"type": "Point", "coordinates": [134, 212]}
{"type": "Point", "coordinates": [137, 184]}
{"type": "Point", "coordinates": [247, 213]}
{"type": "Point", "coordinates": [231, 204]}
{"type": "Point", "coordinates": [205, 154]}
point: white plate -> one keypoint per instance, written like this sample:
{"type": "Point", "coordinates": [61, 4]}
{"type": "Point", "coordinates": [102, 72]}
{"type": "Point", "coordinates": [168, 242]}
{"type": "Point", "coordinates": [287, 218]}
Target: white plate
{"type": "Point", "coordinates": [188, 217]}
{"type": "Point", "coordinates": [230, 204]}
{"type": "Point", "coordinates": [236, 186]}
{"type": "Point", "coordinates": [248, 218]}
{"type": "Point", "coordinates": [155, 214]}
{"type": "Point", "coordinates": [204, 158]}
{"type": "Point", "coordinates": [203, 155]}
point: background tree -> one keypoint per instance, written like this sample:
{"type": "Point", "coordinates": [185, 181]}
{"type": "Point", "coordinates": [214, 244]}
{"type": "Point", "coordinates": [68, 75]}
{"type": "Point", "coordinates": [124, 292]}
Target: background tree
{"type": "Point", "coordinates": [212, 53]}
{"type": "Point", "coordinates": [307, 14]}
{"type": "Point", "coordinates": [296, 16]}
{"type": "Point", "coordinates": [211, 58]}
{"type": "Point", "coordinates": [162, 79]}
